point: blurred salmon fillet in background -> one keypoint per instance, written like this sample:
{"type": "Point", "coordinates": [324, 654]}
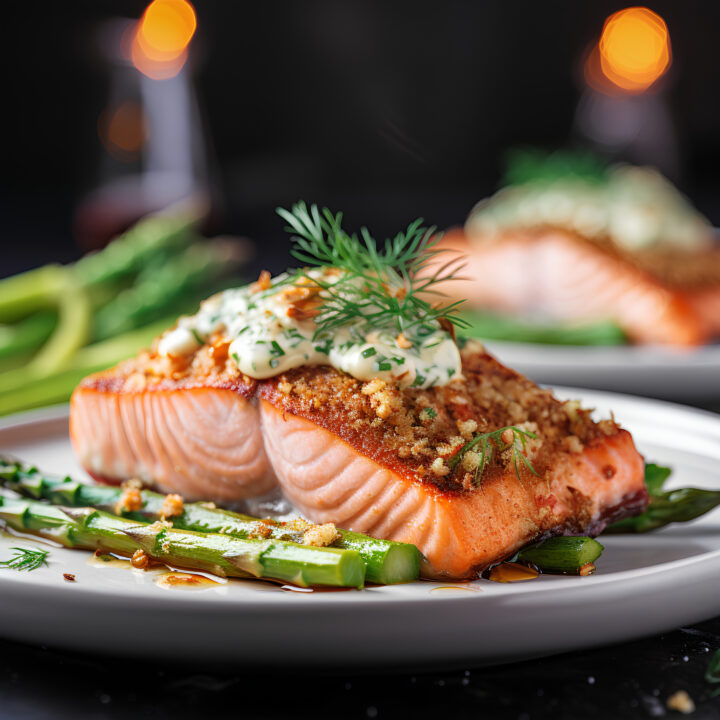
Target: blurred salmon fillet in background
{"type": "Point", "coordinates": [559, 274]}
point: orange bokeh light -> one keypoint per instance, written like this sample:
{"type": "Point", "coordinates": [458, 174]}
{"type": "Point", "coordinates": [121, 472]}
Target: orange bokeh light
{"type": "Point", "coordinates": [123, 130]}
{"type": "Point", "coordinates": [634, 49]}
{"type": "Point", "coordinates": [159, 47]}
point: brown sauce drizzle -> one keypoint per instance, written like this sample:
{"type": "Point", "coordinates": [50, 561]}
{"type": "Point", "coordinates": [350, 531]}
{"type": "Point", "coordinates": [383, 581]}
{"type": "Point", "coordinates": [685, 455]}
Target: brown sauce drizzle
{"type": "Point", "coordinates": [184, 581]}
{"type": "Point", "coordinates": [508, 572]}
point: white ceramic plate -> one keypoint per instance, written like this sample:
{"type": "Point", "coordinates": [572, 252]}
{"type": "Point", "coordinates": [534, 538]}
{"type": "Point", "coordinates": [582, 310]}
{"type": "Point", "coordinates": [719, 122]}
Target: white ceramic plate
{"type": "Point", "coordinates": [654, 371]}
{"type": "Point", "coordinates": [645, 584]}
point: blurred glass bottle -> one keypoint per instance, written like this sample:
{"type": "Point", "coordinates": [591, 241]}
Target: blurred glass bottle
{"type": "Point", "coordinates": [153, 153]}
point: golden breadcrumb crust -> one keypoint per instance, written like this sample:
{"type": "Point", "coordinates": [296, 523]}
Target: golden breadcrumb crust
{"type": "Point", "coordinates": [414, 432]}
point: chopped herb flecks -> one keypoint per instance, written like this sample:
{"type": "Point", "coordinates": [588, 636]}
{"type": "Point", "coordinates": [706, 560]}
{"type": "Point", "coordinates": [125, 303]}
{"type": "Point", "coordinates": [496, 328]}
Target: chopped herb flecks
{"type": "Point", "coordinates": [276, 350]}
{"type": "Point", "coordinates": [324, 348]}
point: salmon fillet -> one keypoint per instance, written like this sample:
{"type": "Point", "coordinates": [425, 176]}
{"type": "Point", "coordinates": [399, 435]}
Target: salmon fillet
{"type": "Point", "coordinates": [458, 533]}
{"type": "Point", "coordinates": [202, 440]}
{"type": "Point", "coordinates": [561, 275]}
{"type": "Point", "coordinates": [365, 455]}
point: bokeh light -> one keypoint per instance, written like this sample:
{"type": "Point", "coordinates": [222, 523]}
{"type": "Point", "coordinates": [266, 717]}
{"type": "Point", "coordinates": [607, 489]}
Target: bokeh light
{"type": "Point", "coordinates": [159, 47]}
{"type": "Point", "coordinates": [123, 130]}
{"type": "Point", "coordinates": [634, 49]}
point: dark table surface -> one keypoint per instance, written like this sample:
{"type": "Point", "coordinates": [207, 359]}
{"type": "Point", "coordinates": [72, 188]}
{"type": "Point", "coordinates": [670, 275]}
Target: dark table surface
{"type": "Point", "coordinates": [633, 680]}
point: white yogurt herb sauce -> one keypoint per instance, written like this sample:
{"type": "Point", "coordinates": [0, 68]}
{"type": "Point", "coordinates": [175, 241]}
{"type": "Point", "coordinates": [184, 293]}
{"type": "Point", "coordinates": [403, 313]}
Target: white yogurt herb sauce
{"type": "Point", "coordinates": [266, 341]}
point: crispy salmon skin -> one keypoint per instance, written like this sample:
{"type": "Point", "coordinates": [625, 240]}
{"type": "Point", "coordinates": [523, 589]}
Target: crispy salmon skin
{"type": "Point", "coordinates": [365, 454]}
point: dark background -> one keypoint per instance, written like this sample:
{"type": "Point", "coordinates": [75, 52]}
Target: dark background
{"type": "Point", "coordinates": [385, 110]}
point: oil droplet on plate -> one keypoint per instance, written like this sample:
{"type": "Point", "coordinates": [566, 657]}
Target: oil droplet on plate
{"type": "Point", "coordinates": [508, 572]}
{"type": "Point", "coordinates": [106, 560]}
{"type": "Point", "coordinates": [449, 589]}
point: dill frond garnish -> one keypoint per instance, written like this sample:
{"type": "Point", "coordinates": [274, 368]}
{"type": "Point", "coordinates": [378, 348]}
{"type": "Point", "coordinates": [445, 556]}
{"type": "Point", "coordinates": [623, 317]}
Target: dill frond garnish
{"type": "Point", "coordinates": [26, 559]}
{"type": "Point", "coordinates": [382, 285]}
{"type": "Point", "coordinates": [490, 443]}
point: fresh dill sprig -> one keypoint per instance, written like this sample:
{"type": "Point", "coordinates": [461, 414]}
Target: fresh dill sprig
{"type": "Point", "coordinates": [492, 442]}
{"type": "Point", "coordinates": [382, 284]}
{"type": "Point", "coordinates": [26, 559]}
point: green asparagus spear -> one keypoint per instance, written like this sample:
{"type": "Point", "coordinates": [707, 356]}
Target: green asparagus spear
{"type": "Point", "coordinates": [562, 554]}
{"type": "Point", "coordinates": [177, 284]}
{"type": "Point", "coordinates": [26, 336]}
{"type": "Point", "coordinates": [29, 391]}
{"type": "Point", "coordinates": [221, 555]}
{"type": "Point", "coordinates": [30, 291]}
{"type": "Point", "coordinates": [387, 562]}
{"type": "Point", "coordinates": [655, 477]}
{"type": "Point", "coordinates": [23, 294]}
{"type": "Point", "coordinates": [134, 249]}
{"type": "Point", "coordinates": [50, 314]}
{"type": "Point", "coordinates": [681, 505]}
{"type": "Point", "coordinates": [70, 334]}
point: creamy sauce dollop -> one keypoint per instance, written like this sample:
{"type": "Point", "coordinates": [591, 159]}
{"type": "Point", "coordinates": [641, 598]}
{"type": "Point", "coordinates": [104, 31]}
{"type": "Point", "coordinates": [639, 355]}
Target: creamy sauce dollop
{"type": "Point", "coordinates": [268, 337]}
